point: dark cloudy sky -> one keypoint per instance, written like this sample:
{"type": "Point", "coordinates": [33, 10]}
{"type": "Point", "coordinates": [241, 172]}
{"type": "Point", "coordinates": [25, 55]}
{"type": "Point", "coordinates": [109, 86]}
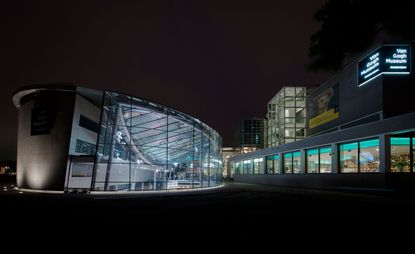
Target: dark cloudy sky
{"type": "Point", "coordinates": [217, 60]}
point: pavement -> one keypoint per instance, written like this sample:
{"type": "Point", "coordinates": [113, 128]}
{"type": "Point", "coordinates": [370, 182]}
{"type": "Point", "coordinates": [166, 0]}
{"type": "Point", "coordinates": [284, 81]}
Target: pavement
{"type": "Point", "coordinates": [236, 205]}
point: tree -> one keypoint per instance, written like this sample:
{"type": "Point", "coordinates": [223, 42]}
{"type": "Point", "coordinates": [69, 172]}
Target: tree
{"type": "Point", "coordinates": [351, 26]}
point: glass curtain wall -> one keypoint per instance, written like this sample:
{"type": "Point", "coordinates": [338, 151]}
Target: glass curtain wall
{"type": "Point", "coordinates": [145, 146]}
{"type": "Point", "coordinates": [286, 116]}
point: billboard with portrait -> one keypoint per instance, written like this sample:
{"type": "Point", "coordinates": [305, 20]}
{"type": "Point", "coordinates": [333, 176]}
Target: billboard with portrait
{"type": "Point", "coordinates": [324, 107]}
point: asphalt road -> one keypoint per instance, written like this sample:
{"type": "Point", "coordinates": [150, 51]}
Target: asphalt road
{"type": "Point", "coordinates": [237, 206]}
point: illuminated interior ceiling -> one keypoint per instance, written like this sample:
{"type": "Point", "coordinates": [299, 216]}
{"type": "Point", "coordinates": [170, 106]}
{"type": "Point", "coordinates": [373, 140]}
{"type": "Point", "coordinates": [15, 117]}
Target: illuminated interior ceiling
{"type": "Point", "coordinates": [152, 134]}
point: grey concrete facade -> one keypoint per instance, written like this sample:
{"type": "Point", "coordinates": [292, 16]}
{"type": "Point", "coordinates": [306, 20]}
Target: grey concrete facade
{"type": "Point", "coordinates": [42, 159]}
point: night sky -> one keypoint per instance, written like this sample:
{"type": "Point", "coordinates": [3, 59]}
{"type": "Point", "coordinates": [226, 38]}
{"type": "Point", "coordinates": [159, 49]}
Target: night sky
{"type": "Point", "coordinates": [217, 60]}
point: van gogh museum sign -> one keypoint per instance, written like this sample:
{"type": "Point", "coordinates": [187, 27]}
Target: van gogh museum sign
{"type": "Point", "coordinates": [388, 59]}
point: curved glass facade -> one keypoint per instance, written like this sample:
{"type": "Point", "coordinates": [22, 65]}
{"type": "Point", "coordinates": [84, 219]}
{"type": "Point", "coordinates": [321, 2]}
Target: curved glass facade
{"type": "Point", "coordinates": [147, 146]}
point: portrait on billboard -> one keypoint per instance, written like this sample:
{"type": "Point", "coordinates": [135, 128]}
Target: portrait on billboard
{"type": "Point", "coordinates": [325, 101]}
{"type": "Point", "coordinates": [324, 107]}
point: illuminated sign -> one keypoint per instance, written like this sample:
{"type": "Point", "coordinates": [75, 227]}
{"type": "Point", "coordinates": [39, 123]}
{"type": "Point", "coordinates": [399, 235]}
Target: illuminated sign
{"type": "Point", "coordinates": [388, 59]}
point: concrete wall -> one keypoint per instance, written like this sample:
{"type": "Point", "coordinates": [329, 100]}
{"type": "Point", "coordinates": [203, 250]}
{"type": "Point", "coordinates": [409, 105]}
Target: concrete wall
{"type": "Point", "coordinates": [42, 159]}
{"type": "Point", "coordinates": [90, 111]}
{"type": "Point", "coordinates": [392, 94]}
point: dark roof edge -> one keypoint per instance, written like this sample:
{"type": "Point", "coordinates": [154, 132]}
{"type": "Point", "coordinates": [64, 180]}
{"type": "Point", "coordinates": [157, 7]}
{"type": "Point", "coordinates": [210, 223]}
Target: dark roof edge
{"type": "Point", "coordinates": [25, 90]}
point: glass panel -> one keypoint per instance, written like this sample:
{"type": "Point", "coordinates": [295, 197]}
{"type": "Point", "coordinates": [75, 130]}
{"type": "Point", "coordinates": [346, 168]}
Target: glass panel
{"type": "Point", "coordinates": [289, 91]}
{"type": "Point", "coordinates": [300, 102]}
{"type": "Point", "coordinates": [300, 92]}
{"type": "Point", "coordinates": [276, 164]}
{"type": "Point", "coordinates": [296, 162]}
{"type": "Point", "coordinates": [205, 161]}
{"type": "Point", "coordinates": [289, 101]}
{"type": "Point", "coordinates": [299, 133]}
{"type": "Point", "coordinates": [247, 164]}
{"type": "Point", "coordinates": [270, 164]}
{"type": "Point", "coordinates": [237, 168]}
{"type": "Point", "coordinates": [289, 112]}
{"type": "Point", "coordinates": [289, 133]}
{"type": "Point", "coordinates": [147, 176]}
{"type": "Point", "coordinates": [413, 152]}
{"type": "Point", "coordinates": [288, 163]}
{"type": "Point", "coordinates": [400, 155]}
{"type": "Point", "coordinates": [197, 162]}
{"type": "Point", "coordinates": [258, 169]}
{"type": "Point", "coordinates": [348, 158]}
{"type": "Point", "coordinates": [369, 156]}
{"type": "Point", "coordinates": [119, 173]}
{"type": "Point", "coordinates": [312, 161]}
{"type": "Point", "coordinates": [300, 116]}
{"type": "Point", "coordinates": [325, 160]}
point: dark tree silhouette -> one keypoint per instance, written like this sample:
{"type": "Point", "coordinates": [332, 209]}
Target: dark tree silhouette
{"type": "Point", "coordinates": [351, 26]}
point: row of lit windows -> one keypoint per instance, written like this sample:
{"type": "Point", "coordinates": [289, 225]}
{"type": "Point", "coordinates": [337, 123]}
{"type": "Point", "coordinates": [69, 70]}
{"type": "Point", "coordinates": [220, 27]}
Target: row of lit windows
{"type": "Point", "coordinates": [355, 157]}
{"type": "Point", "coordinates": [248, 167]}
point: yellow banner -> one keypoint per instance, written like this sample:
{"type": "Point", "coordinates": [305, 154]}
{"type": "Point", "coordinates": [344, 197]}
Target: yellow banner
{"type": "Point", "coordinates": [323, 118]}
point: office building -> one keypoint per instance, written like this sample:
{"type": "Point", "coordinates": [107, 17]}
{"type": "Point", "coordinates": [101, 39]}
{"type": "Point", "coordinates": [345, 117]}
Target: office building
{"type": "Point", "coordinates": [249, 135]}
{"type": "Point", "coordinates": [286, 116]}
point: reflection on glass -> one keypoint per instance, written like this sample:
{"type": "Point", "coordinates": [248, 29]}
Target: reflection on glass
{"type": "Point", "coordinates": [270, 165]}
{"type": "Point", "coordinates": [400, 155]}
{"type": "Point", "coordinates": [296, 162]}
{"type": "Point", "coordinates": [367, 159]}
{"type": "Point", "coordinates": [413, 152]}
{"type": "Point", "coordinates": [237, 168]}
{"type": "Point", "coordinates": [273, 164]}
{"type": "Point", "coordinates": [348, 158]}
{"type": "Point", "coordinates": [325, 160]}
{"type": "Point", "coordinates": [145, 146]}
{"type": "Point", "coordinates": [292, 163]}
{"type": "Point", "coordinates": [258, 169]}
{"type": "Point", "coordinates": [276, 159]}
{"type": "Point", "coordinates": [369, 156]}
{"type": "Point", "coordinates": [247, 167]}
{"type": "Point", "coordinates": [312, 161]}
{"type": "Point", "coordinates": [288, 163]}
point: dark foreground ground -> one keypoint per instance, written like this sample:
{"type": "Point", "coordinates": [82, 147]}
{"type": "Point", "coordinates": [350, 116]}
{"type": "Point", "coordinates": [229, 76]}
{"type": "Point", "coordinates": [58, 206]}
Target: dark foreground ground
{"type": "Point", "coordinates": [231, 209]}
